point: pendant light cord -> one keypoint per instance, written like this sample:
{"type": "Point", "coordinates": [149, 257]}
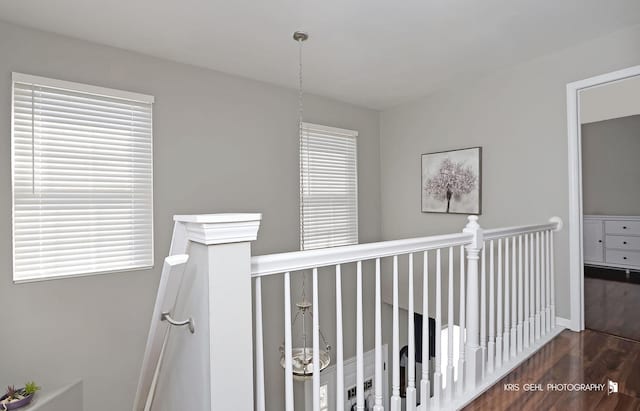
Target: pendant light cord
{"type": "Point", "coordinates": [300, 117]}
{"type": "Point", "coordinates": [300, 105]}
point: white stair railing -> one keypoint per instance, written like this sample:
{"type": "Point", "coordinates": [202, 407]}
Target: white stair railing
{"type": "Point", "coordinates": [505, 282]}
{"type": "Point", "coordinates": [496, 287]}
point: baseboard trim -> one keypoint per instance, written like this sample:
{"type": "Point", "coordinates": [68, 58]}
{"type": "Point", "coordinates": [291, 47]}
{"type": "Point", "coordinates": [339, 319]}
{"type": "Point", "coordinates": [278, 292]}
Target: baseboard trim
{"type": "Point", "coordinates": [563, 322]}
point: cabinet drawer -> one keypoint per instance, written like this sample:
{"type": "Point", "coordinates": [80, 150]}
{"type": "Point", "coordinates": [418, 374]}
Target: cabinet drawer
{"type": "Point", "coordinates": [622, 227]}
{"type": "Point", "coordinates": [623, 242]}
{"type": "Point", "coordinates": [623, 257]}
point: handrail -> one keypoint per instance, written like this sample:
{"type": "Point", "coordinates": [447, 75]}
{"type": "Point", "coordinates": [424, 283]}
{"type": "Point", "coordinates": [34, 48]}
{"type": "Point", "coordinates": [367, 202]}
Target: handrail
{"type": "Point", "coordinates": [264, 265]}
{"type": "Point", "coordinates": [555, 224]}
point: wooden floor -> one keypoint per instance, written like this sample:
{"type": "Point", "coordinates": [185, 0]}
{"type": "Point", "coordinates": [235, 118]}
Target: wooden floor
{"type": "Point", "coordinates": [612, 301]}
{"type": "Point", "coordinates": [587, 357]}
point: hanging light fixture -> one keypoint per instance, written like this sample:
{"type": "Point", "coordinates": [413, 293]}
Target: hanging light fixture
{"type": "Point", "coordinates": [300, 37]}
{"type": "Point", "coordinates": [302, 354]}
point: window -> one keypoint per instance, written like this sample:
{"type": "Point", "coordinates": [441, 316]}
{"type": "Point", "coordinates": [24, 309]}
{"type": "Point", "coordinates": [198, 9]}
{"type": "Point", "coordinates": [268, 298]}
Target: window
{"type": "Point", "coordinates": [81, 179]}
{"type": "Point", "coordinates": [328, 187]}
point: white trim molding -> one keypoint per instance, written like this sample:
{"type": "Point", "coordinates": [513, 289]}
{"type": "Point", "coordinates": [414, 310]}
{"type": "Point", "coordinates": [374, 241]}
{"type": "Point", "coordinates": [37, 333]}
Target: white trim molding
{"type": "Point", "coordinates": [87, 88]}
{"type": "Point", "coordinates": [563, 322]}
{"type": "Point", "coordinates": [209, 229]}
{"type": "Point", "coordinates": [576, 269]}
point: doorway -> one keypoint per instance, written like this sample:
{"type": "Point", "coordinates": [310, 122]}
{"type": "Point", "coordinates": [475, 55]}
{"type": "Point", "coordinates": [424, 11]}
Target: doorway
{"type": "Point", "coordinates": [582, 228]}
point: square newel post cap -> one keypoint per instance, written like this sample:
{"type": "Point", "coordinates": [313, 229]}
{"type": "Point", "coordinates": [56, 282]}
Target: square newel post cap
{"type": "Point", "coordinates": [221, 228]}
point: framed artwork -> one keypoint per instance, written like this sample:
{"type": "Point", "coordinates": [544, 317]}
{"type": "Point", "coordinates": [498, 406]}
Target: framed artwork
{"type": "Point", "coordinates": [452, 181]}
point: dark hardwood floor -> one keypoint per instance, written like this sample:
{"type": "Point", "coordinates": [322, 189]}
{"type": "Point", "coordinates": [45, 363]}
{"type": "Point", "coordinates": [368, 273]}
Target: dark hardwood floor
{"type": "Point", "coordinates": [588, 357]}
{"type": "Point", "coordinates": [612, 301]}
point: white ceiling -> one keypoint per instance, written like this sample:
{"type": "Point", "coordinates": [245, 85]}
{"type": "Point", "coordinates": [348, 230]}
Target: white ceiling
{"type": "Point", "coordinates": [373, 53]}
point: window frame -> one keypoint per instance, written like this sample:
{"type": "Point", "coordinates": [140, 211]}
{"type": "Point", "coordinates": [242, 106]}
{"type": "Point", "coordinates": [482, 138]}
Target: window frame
{"type": "Point", "coordinates": [22, 78]}
{"type": "Point", "coordinates": [335, 131]}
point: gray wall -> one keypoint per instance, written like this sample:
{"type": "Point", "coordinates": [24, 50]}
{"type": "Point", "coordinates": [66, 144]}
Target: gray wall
{"type": "Point", "coordinates": [611, 166]}
{"type": "Point", "coordinates": [221, 143]}
{"type": "Point", "coordinates": [518, 116]}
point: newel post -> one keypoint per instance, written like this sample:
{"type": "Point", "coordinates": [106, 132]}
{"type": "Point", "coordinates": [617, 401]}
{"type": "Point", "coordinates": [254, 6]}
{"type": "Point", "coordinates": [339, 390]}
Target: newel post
{"type": "Point", "coordinates": [473, 351]}
{"type": "Point", "coordinates": [221, 247]}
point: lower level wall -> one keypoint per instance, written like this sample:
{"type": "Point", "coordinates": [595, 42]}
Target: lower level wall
{"type": "Point", "coordinates": [68, 398]}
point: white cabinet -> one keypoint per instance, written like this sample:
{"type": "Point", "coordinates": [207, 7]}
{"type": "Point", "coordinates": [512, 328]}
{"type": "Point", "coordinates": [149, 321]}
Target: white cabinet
{"type": "Point", "coordinates": [593, 241]}
{"type": "Point", "coordinates": [612, 241]}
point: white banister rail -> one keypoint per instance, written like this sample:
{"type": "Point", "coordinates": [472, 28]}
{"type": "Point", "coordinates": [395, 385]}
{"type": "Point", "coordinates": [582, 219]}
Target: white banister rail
{"type": "Point", "coordinates": [496, 233]}
{"type": "Point", "coordinates": [495, 289]}
{"type": "Point", "coordinates": [303, 260]}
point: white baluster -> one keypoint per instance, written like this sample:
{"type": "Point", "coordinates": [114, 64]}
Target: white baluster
{"type": "Point", "coordinates": [450, 381]}
{"type": "Point", "coordinates": [395, 385]}
{"type": "Point", "coordinates": [543, 288]}
{"type": "Point", "coordinates": [288, 359]}
{"type": "Point", "coordinates": [339, 343]}
{"type": "Point", "coordinates": [514, 302]}
{"type": "Point", "coordinates": [359, 342]}
{"type": "Point", "coordinates": [532, 281]}
{"type": "Point", "coordinates": [410, 392]}
{"type": "Point", "coordinates": [259, 348]}
{"type": "Point", "coordinates": [499, 307]}
{"type": "Point", "coordinates": [425, 386]}
{"type": "Point", "coordinates": [538, 297]}
{"type": "Point", "coordinates": [491, 349]}
{"type": "Point", "coordinates": [483, 308]}
{"type": "Point", "coordinates": [507, 308]}
{"type": "Point", "coordinates": [520, 294]}
{"type": "Point", "coordinates": [553, 279]}
{"type": "Point", "coordinates": [547, 280]}
{"type": "Point", "coordinates": [437, 374]}
{"type": "Point", "coordinates": [462, 345]}
{"type": "Point", "coordinates": [316, 343]}
{"type": "Point", "coordinates": [526, 292]}
{"type": "Point", "coordinates": [378, 393]}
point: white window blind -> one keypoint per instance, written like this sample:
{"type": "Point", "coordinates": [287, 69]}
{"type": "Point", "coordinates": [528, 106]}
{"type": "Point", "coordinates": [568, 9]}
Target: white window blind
{"type": "Point", "coordinates": [328, 187]}
{"type": "Point", "coordinates": [81, 179]}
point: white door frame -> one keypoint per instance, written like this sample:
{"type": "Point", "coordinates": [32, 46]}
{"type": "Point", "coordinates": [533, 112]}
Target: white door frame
{"type": "Point", "coordinates": [576, 267]}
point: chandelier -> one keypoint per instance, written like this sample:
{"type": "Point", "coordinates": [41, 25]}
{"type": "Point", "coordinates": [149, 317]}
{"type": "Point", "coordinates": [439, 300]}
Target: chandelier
{"type": "Point", "coordinates": [302, 354]}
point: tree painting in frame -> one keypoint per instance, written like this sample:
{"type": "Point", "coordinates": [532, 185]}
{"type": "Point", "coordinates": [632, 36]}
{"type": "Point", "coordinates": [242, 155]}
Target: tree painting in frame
{"type": "Point", "coordinates": [451, 181]}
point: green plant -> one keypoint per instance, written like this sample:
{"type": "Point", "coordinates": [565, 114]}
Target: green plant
{"type": "Point", "coordinates": [30, 388]}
